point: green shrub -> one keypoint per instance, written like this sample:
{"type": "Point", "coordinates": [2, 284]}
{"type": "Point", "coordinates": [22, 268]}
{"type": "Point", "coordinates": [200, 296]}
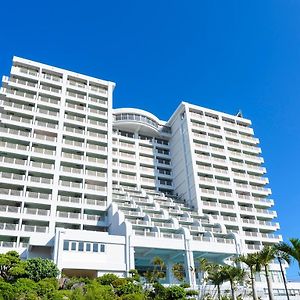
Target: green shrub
{"type": "Point", "coordinates": [7, 291]}
{"type": "Point", "coordinates": [95, 291]}
{"type": "Point", "coordinates": [175, 292]}
{"type": "Point", "coordinates": [135, 296]}
{"type": "Point", "coordinates": [107, 279]}
{"type": "Point", "coordinates": [39, 268]}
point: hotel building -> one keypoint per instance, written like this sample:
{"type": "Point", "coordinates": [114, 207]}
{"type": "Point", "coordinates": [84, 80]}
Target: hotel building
{"type": "Point", "coordinates": [101, 190]}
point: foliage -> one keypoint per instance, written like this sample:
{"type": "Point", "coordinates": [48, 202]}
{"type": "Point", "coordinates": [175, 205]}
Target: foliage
{"type": "Point", "coordinates": [134, 275]}
{"type": "Point", "coordinates": [107, 279]}
{"type": "Point", "coordinates": [178, 271]}
{"type": "Point", "coordinates": [6, 291]}
{"type": "Point", "coordinates": [175, 292]}
{"type": "Point", "coordinates": [292, 249]}
{"type": "Point", "coordinates": [39, 268]}
{"type": "Point", "coordinates": [11, 266]}
{"type": "Point", "coordinates": [158, 271]}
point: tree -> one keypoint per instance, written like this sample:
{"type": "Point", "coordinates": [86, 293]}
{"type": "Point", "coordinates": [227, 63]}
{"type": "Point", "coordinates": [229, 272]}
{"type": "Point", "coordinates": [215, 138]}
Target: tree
{"type": "Point", "coordinates": [11, 266]}
{"type": "Point", "coordinates": [178, 271]}
{"type": "Point", "coordinates": [158, 271]}
{"type": "Point", "coordinates": [233, 275]}
{"type": "Point", "coordinates": [251, 260]}
{"type": "Point", "coordinates": [292, 249]}
{"type": "Point", "coordinates": [265, 256]}
{"type": "Point", "coordinates": [39, 268]}
{"type": "Point", "coordinates": [215, 277]}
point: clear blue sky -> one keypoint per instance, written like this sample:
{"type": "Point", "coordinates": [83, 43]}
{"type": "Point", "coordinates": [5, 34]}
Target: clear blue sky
{"type": "Point", "coordinates": [225, 55]}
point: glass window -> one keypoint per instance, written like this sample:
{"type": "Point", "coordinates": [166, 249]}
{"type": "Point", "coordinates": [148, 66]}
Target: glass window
{"type": "Point", "coordinates": [102, 248]}
{"type": "Point", "coordinates": [88, 247]}
{"type": "Point", "coordinates": [80, 246]}
{"type": "Point", "coordinates": [66, 245]}
{"type": "Point", "coordinates": [73, 246]}
{"type": "Point", "coordinates": [95, 247]}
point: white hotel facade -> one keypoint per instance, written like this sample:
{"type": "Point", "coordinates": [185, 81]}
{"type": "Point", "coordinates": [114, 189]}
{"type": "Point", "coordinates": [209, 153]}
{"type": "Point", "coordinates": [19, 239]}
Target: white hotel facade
{"type": "Point", "coordinates": [101, 190]}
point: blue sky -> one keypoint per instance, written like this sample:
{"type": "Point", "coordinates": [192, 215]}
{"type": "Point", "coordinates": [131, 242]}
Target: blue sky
{"type": "Point", "coordinates": [225, 55]}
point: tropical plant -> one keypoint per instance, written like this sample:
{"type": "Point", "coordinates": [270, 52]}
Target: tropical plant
{"type": "Point", "coordinates": [265, 257]}
{"type": "Point", "coordinates": [11, 266]}
{"type": "Point", "coordinates": [215, 277]}
{"type": "Point", "coordinates": [157, 272]}
{"type": "Point", "coordinates": [233, 275]}
{"type": "Point", "coordinates": [178, 271]}
{"type": "Point", "coordinates": [39, 268]}
{"type": "Point", "coordinates": [282, 256]}
{"type": "Point", "coordinates": [251, 260]}
{"type": "Point", "coordinates": [292, 249]}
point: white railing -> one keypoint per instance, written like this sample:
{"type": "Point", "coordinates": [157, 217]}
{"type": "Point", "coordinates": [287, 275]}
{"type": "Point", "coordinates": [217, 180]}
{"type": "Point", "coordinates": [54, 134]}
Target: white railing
{"type": "Point", "coordinates": [45, 137]}
{"type": "Point", "coordinates": [38, 229]}
{"type": "Point", "coordinates": [37, 195]}
{"type": "Point", "coordinates": [16, 118]}
{"type": "Point", "coordinates": [48, 100]}
{"type": "Point", "coordinates": [8, 226]}
{"type": "Point", "coordinates": [13, 146]}
{"type": "Point", "coordinates": [95, 187]}
{"type": "Point", "coordinates": [42, 165]}
{"type": "Point", "coordinates": [71, 184]}
{"type": "Point", "coordinates": [36, 211]}
{"type": "Point", "coordinates": [40, 180]}
{"type": "Point", "coordinates": [18, 106]}
{"type": "Point", "coordinates": [95, 202]}
{"type": "Point", "coordinates": [20, 93]}
{"type": "Point", "coordinates": [9, 209]}
{"type": "Point", "coordinates": [50, 89]}
{"type": "Point", "coordinates": [11, 176]}
{"type": "Point", "coordinates": [68, 215]}
{"type": "Point", "coordinates": [97, 100]}
{"type": "Point", "coordinates": [10, 192]}
{"type": "Point", "coordinates": [14, 131]}
{"type": "Point", "coordinates": [43, 151]}
{"type": "Point", "coordinates": [70, 199]}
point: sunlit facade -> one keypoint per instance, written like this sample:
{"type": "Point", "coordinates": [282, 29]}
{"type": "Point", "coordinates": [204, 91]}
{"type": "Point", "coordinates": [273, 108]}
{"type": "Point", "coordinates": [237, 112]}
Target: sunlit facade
{"type": "Point", "coordinates": [101, 190]}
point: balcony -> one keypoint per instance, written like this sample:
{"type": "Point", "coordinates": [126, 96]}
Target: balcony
{"type": "Point", "coordinates": [18, 93]}
{"type": "Point", "coordinates": [95, 202]}
{"type": "Point", "coordinates": [39, 196]}
{"type": "Point", "coordinates": [68, 215]}
{"type": "Point", "coordinates": [47, 138]}
{"type": "Point", "coordinates": [13, 146]}
{"type": "Point", "coordinates": [36, 211]}
{"type": "Point", "coordinates": [11, 192]}
{"type": "Point", "coordinates": [8, 226]}
{"type": "Point", "coordinates": [19, 133]}
{"type": "Point", "coordinates": [15, 105]}
{"type": "Point", "coordinates": [42, 180]}
{"type": "Point", "coordinates": [41, 165]}
{"type": "Point", "coordinates": [12, 176]}
{"type": "Point", "coordinates": [69, 199]}
{"type": "Point", "coordinates": [9, 209]}
{"type": "Point", "coordinates": [16, 119]}
{"type": "Point", "coordinates": [34, 228]}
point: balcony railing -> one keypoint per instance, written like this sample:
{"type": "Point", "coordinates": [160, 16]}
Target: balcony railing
{"type": "Point", "coordinates": [37, 229]}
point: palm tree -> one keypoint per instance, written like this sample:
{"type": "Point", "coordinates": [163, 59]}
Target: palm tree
{"type": "Point", "coordinates": [292, 249]}
{"type": "Point", "coordinates": [233, 275]}
{"type": "Point", "coordinates": [215, 277]}
{"type": "Point", "coordinates": [282, 256]}
{"type": "Point", "coordinates": [178, 271]}
{"type": "Point", "coordinates": [251, 260]}
{"type": "Point", "coordinates": [158, 271]}
{"type": "Point", "coordinates": [265, 256]}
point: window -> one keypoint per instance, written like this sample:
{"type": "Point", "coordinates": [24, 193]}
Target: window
{"type": "Point", "coordinates": [73, 246]}
{"type": "Point", "coordinates": [66, 245]}
{"type": "Point", "coordinates": [88, 247]}
{"type": "Point", "coordinates": [80, 246]}
{"type": "Point", "coordinates": [102, 248]}
{"type": "Point", "coordinates": [95, 247]}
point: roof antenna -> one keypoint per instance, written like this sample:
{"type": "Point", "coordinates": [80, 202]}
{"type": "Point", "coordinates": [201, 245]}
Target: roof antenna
{"type": "Point", "coordinates": [240, 114]}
